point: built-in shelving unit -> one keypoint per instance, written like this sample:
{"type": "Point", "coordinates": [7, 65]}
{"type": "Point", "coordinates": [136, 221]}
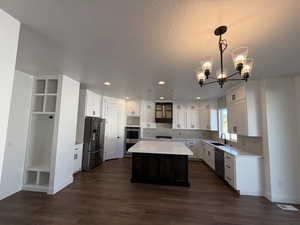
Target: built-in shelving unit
{"type": "Point", "coordinates": [45, 96]}
{"type": "Point", "coordinates": [42, 124]}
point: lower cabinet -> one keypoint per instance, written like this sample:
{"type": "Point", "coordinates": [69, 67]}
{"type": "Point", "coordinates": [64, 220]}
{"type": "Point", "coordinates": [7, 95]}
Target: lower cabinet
{"type": "Point", "coordinates": [77, 158]}
{"type": "Point", "coordinates": [229, 163]}
{"type": "Point", "coordinates": [242, 172]}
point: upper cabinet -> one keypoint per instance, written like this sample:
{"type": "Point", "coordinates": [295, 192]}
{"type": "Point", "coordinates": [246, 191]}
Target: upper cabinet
{"type": "Point", "coordinates": [179, 116]}
{"type": "Point", "coordinates": [209, 115]}
{"type": "Point", "coordinates": [92, 103]}
{"type": "Point", "coordinates": [148, 114]}
{"type": "Point", "coordinates": [193, 116]}
{"type": "Point", "coordinates": [186, 116]}
{"type": "Point", "coordinates": [243, 105]}
{"type": "Point", "coordinates": [133, 108]}
{"type": "Point", "coordinates": [89, 105]}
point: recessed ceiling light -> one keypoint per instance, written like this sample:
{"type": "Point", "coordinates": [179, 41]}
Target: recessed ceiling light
{"type": "Point", "coordinates": [198, 98]}
{"type": "Point", "coordinates": [161, 98]}
{"type": "Point", "coordinates": [127, 98]}
{"type": "Point", "coordinates": [107, 83]}
{"type": "Point", "coordinates": [161, 82]}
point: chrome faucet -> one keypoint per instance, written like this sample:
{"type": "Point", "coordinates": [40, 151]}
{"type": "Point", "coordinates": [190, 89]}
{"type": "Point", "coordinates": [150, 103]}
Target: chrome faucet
{"type": "Point", "coordinates": [223, 136]}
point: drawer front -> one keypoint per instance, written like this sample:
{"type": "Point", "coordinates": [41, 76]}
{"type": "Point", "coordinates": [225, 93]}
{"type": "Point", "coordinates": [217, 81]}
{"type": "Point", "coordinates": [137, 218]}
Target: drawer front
{"type": "Point", "coordinates": [229, 160]}
{"type": "Point", "coordinates": [229, 169]}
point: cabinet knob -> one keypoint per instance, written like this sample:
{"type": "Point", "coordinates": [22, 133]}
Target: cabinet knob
{"type": "Point", "coordinates": [94, 113]}
{"type": "Point", "coordinates": [132, 112]}
{"type": "Point", "coordinates": [233, 97]}
{"type": "Point", "coordinates": [148, 125]}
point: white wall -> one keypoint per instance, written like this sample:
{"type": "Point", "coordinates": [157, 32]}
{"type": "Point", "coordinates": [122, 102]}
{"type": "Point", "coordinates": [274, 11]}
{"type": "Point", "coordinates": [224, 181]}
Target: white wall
{"type": "Point", "coordinates": [63, 159]}
{"type": "Point", "coordinates": [9, 37]}
{"type": "Point", "coordinates": [14, 156]}
{"type": "Point", "coordinates": [281, 134]}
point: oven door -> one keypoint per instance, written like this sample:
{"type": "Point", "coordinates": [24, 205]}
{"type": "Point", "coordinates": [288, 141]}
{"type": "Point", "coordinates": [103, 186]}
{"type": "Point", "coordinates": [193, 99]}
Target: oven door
{"type": "Point", "coordinates": [132, 134]}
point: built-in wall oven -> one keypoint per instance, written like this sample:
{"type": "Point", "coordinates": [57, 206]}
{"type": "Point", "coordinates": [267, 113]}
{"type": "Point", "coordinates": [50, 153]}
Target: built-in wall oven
{"type": "Point", "coordinates": [132, 136]}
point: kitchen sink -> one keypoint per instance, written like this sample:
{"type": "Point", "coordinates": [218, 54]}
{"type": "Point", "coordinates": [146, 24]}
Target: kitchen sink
{"type": "Point", "coordinates": [217, 144]}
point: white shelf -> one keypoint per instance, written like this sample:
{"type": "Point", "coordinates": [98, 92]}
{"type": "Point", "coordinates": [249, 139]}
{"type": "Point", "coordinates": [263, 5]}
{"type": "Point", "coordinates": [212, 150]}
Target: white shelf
{"type": "Point", "coordinates": [40, 168]}
{"type": "Point", "coordinates": [49, 94]}
{"type": "Point", "coordinates": [44, 113]}
{"type": "Point", "coordinates": [35, 187]}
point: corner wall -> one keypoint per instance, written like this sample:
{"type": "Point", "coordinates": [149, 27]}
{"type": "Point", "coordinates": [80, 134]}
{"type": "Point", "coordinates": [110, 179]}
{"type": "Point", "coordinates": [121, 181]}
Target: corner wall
{"type": "Point", "coordinates": [9, 38]}
{"type": "Point", "coordinates": [18, 127]}
{"type": "Point", "coordinates": [281, 138]}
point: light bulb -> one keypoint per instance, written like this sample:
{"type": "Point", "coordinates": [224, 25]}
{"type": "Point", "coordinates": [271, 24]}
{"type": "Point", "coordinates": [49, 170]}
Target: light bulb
{"type": "Point", "coordinates": [222, 76]}
{"type": "Point", "coordinates": [201, 76]}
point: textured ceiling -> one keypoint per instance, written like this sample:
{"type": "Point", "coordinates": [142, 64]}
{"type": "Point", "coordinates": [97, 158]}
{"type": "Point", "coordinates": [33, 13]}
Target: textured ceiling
{"type": "Point", "coordinates": [135, 43]}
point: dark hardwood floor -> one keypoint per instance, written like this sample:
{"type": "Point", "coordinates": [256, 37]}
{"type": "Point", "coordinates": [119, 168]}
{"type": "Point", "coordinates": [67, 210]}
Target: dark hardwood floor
{"type": "Point", "coordinates": [105, 196]}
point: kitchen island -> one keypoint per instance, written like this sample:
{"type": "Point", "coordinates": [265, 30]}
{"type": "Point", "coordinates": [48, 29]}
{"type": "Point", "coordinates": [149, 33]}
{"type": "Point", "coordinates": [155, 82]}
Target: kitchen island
{"type": "Point", "coordinates": [160, 162]}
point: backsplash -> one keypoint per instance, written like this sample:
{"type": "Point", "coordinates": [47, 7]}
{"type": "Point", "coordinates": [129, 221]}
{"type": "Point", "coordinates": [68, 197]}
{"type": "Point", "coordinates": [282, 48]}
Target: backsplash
{"type": "Point", "coordinates": [185, 134]}
{"type": "Point", "coordinates": [249, 144]}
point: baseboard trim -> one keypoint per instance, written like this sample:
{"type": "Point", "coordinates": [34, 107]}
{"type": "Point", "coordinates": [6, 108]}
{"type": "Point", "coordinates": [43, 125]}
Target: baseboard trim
{"type": "Point", "coordinates": [53, 191]}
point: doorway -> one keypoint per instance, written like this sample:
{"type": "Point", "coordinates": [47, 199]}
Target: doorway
{"type": "Point", "coordinates": [113, 110]}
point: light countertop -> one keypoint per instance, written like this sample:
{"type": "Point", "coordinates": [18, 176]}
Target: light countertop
{"type": "Point", "coordinates": [160, 147]}
{"type": "Point", "coordinates": [232, 150]}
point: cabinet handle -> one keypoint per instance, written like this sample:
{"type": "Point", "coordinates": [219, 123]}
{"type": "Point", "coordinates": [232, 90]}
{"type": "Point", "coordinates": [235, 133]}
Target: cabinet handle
{"type": "Point", "coordinates": [233, 97]}
{"type": "Point", "coordinates": [228, 166]}
{"type": "Point", "coordinates": [75, 156]}
{"type": "Point", "coordinates": [132, 112]}
{"type": "Point", "coordinates": [228, 178]}
{"type": "Point", "coordinates": [148, 125]}
{"type": "Point", "coordinates": [94, 113]}
{"type": "Point", "coordinates": [193, 126]}
{"type": "Point", "coordinates": [178, 125]}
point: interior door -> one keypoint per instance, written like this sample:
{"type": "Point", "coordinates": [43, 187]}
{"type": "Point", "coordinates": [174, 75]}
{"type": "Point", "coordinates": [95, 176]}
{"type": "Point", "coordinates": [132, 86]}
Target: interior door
{"type": "Point", "coordinates": [113, 132]}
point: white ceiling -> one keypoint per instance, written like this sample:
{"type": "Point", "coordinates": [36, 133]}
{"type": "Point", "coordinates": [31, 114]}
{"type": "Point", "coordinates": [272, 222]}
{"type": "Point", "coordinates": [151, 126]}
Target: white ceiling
{"type": "Point", "coordinates": [135, 43]}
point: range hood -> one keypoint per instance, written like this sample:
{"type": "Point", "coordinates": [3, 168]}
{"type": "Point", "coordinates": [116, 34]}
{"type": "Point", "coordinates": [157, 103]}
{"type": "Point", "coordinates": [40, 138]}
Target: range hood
{"type": "Point", "coordinates": [163, 112]}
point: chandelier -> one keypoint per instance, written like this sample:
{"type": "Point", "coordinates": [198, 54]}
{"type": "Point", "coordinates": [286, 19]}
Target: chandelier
{"type": "Point", "coordinates": [243, 65]}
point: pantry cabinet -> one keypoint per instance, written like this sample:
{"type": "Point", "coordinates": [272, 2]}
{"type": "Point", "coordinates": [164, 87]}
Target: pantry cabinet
{"type": "Point", "coordinates": [148, 114]}
{"type": "Point", "coordinates": [133, 108]}
{"type": "Point", "coordinates": [243, 105]}
{"type": "Point", "coordinates": [208, 116]}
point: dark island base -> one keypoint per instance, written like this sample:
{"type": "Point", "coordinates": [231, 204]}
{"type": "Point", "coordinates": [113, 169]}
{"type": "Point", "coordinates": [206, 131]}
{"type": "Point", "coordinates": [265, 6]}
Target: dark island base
{"type": "Point", "coordinates": [160, 169]}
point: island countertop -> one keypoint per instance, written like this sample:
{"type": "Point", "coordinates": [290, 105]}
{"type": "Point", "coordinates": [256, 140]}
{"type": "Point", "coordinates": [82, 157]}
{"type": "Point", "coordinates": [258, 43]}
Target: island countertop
{"type": "Point", "coordinates": [160, 147]}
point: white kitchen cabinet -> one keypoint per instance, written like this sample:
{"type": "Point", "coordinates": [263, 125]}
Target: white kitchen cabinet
{"type": "Point", "coordinates": [208, 116]}
{"type": "Point", "coordinates": [78, 158]}
{"type": "Point", "coordinates": [243, 105]}
{"type": "Point", "coordinates": [245, 174]}
{"type": "Point", "coordinates": [133, 108]}
{"type": "Point", "coordinates": [89, 105]}
{"type": "Point", "coordinates": [193, 116]}
{"type": "Point", "coordinates": [92, 103]}
{"type": "Point", "coordinates": [208, 155]}
{"type": "Point", "coordinates": [179, 116]}
{"type": "Point", "coordinates": [195, 146]}
{"type": "Point", "coordinates": [148, 114]}
{"type": "Point", "coordinates": [211, 156]}
{"type": "Point", "coordinates": [186, 116]}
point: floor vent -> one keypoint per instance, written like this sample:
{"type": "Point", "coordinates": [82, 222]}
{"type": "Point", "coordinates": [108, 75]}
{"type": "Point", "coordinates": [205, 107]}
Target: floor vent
{"type": "Point", "coordinates": [287, 207]}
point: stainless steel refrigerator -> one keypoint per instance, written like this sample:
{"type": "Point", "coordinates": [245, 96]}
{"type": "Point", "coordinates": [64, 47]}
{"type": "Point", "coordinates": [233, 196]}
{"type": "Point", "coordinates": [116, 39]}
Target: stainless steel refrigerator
{"type": "Point", "coordinates": [93, 143]}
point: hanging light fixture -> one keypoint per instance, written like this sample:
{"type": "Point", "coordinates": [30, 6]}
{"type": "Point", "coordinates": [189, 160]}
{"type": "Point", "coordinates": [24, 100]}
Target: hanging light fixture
{"type": "Point", "coordinates": [243, 66]}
